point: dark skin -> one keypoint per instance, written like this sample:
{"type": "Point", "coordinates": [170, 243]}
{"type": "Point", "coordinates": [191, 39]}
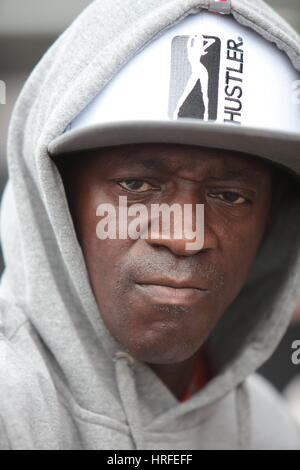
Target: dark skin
{"type": "Point", "coordinates": [167, 327]}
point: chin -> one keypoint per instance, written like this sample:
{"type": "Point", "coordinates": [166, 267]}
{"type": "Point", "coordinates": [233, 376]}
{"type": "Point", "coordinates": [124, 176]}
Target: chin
{"type": "Point", "coordinates": [155, 351]}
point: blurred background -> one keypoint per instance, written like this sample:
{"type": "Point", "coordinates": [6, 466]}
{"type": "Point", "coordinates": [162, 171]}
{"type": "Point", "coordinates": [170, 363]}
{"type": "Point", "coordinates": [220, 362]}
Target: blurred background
{"type": "Point", "coordinates": [27, 29]}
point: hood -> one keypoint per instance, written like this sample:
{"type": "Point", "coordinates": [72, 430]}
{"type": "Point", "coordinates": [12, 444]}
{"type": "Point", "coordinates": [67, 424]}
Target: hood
{"type": "Point", "coordinates": [45, 283]}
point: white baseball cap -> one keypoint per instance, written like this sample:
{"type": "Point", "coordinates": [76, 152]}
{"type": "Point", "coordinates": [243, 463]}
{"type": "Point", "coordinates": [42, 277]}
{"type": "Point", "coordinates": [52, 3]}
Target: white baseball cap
{"type": "Point", "coordinates": [207, 81]}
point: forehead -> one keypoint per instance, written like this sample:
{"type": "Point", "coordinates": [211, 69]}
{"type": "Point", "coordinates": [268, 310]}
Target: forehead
{"type": "Point", "coordinates": [171, 158]}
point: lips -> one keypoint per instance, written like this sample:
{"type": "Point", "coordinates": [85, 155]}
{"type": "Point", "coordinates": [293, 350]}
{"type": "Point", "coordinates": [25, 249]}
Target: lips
{"type": "Point", "coordinates": [173, 283]}
{"type": "Point", "coordinates": [171, 292]}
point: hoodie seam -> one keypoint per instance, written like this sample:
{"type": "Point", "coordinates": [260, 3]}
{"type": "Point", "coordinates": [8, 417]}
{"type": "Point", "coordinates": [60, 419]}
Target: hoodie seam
{"type": "Point", "coordinates": [13, 336]}
{"type": "Point", "coordinates": [274, 36]}
{"type": "Point", "coordinates": [74, 408]}
{"type": "Point", "coordinates": [75, 415]}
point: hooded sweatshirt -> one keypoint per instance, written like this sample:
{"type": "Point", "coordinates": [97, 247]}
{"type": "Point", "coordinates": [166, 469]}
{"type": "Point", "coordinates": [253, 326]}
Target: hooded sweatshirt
{"type": "Point", "coordinates": [65, 381]}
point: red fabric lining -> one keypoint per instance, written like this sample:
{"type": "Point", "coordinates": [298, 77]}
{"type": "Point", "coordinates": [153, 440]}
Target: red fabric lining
{"type": "Point", "coordinates": [199, 379]}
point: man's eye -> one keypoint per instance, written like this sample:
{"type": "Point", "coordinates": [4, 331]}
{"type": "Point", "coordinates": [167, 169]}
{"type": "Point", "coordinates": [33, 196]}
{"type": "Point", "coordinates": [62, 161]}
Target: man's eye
{"type": "Point", "coordinates": [135, 185]}
{"type": "Point", "coordinates": [229, 196]}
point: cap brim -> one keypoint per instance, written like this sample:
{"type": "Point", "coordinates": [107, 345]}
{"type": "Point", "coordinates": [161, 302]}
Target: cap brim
{"type": "Point", "coordinates": [279, 147]}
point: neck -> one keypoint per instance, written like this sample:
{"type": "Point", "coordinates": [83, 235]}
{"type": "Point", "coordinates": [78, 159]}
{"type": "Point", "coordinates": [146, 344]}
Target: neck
{"type": "Point", "coordinates": [178, 376]}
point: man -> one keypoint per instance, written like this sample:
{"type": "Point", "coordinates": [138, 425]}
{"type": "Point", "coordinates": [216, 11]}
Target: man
{"type": "Point", "coordinates": [142, 342]}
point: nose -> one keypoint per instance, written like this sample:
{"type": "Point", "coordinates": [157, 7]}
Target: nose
{"type": "Point", "coordinates": [185, 232]}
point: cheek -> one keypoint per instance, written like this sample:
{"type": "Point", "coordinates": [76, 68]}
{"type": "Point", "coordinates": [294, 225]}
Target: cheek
{"type": "Point", "coordinates": [104, 260]}
{"type": "Point", "coordinates": [98, 254]}
{"type": "Point", "coordinates": [239, 243]}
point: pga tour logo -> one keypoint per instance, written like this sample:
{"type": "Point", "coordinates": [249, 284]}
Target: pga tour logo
{"type": "Point", "coordinates": [195, 84]}
{"type": "Point", "coordinates": [194, 81]}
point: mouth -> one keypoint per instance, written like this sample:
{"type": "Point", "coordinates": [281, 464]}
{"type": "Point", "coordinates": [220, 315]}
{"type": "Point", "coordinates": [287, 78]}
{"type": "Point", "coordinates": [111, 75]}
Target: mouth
{"type": "Point", "coordinates": [173, 283]}
{"type": "Point", "coordinates": [172, 292]}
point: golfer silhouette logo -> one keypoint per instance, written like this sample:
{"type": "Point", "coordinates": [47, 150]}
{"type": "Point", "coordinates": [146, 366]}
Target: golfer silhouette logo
{"type": "Point", "coordinates": [194, 77]}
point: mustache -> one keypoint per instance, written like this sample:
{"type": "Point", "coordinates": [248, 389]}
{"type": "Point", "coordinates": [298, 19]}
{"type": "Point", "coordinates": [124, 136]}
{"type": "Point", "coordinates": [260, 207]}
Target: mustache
{"type": "Point", "coordinates": [166, 265]}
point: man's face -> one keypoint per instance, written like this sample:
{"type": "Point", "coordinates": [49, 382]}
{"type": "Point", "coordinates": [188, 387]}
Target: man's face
{"type": "Point", "coordinates": [158, 298]}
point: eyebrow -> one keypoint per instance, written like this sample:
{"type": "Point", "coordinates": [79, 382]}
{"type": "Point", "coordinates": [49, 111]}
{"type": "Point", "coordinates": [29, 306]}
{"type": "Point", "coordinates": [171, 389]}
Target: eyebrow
{"type": "Point", "coordinates": [241, 175]}
{"type": "Point", "coordinates": [228, 175]}
{"type": "Point", "coordinates": [148, 163]}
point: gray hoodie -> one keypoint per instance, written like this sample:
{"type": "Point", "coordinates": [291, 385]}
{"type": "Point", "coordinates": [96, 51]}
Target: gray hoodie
{"type": "Point", "coordinates": [64, 383]}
